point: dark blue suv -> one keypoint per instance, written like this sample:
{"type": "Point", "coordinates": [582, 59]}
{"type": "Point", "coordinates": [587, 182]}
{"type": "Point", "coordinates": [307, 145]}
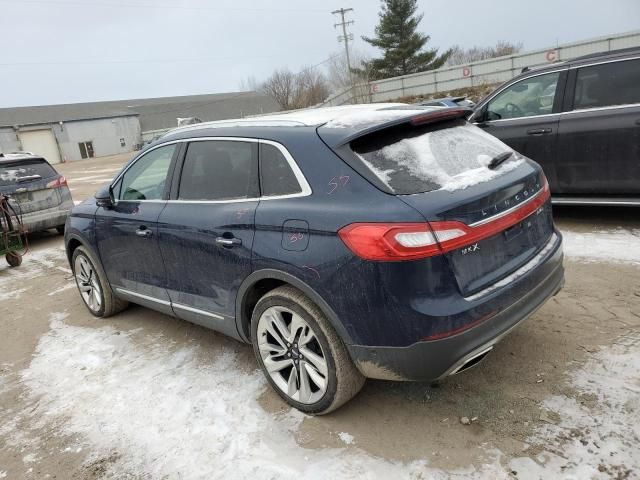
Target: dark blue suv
{"type": "Point", "coordinates": [382, 241]}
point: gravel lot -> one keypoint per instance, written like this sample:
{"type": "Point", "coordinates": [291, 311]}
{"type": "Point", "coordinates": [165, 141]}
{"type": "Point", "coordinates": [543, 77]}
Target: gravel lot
{"type": "Point", "coordinates": [145, 396]}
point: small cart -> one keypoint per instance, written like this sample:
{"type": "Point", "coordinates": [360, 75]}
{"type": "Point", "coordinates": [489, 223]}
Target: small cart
{"type": "Point", "coordinates": [12, 234]}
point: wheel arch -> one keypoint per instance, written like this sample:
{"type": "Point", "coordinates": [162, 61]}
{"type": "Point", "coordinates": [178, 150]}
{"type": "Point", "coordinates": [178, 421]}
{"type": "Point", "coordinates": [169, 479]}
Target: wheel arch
{"type": "Point", "coordinates": [72, 242]}
{"type": "Point", "coordinates": [263, 281]}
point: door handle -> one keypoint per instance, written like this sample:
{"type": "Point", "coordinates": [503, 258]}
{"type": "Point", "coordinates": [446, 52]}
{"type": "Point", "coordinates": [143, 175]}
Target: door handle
{"type": "Point", "coordinates": [539, 131]}
{"type": "Point", "coordinates": [144, 232]}
{"type": "Point", "coordinates": [228, 242]}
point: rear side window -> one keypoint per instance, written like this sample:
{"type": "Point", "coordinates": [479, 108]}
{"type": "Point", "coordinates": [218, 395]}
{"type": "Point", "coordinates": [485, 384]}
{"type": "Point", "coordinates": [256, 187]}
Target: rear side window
{"type": "Point", "coordinates": [452, 157]}
{"type": "Point", "coordinates": [608, 84]}
{"type": "Point", "coordinates": [219, 170]}
{"type": "Point", "coordinates": [276, 174]}
{"type": "Point", "coordinates": [14, 173]}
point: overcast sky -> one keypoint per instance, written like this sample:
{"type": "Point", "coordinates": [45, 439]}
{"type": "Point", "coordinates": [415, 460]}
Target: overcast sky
{"type": "Point", "coordinates": [62, 51]}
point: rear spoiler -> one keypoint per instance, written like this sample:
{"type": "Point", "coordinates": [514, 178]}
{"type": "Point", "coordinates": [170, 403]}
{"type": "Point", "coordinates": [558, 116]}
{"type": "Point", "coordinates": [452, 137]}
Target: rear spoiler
{"type": "Point", "coordinates": [426, 118]}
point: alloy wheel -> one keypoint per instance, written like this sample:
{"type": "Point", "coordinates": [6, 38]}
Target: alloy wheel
{"type": "Point", "coordinates": [88, 283]}
{"type": "Point", "coordinates": [292, 355]}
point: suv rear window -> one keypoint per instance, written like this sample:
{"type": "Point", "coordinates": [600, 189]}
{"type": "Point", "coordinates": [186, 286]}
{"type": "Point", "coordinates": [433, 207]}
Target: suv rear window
{"type": "Point", "coordinates": [451, 156]}
{"type": "Point", "coordinates": [13, 173]}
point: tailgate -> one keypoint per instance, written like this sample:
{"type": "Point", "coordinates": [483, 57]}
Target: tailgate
{"type": "Point", "coordinates": [36, 200]}
{"type": "Point", "coordinates": [506, 228]}
{"type": "Point", "coordinates": [30, 183]}
{"type": "Point", "coordinates": [487, 207]}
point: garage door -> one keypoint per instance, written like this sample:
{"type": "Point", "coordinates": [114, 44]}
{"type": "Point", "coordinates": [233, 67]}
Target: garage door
{"type": "Point", "coordinates": [40, 142]}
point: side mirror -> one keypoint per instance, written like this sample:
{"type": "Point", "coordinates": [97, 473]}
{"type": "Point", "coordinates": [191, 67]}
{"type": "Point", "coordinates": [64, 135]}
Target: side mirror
{"type": "Point", "coordinates": [104, 197]}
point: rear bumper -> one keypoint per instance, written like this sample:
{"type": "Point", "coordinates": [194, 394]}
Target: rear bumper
{"type": "Point", "coordinates": [435, 359]}
{"type": "Point", "coordinates": [49, 218]}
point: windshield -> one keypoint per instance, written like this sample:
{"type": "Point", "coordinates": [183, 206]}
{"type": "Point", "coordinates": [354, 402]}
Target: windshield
{"type": "Point", "coordinates": [430, 159]}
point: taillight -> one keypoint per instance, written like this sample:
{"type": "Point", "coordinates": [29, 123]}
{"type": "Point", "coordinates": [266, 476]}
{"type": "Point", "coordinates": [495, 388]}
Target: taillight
{"type": "Point", "coordinates": [390, 241]}
{"type": "Point", "coordinates": [410, 241]}
{"type": "Point", "coordinates": [58, 182]}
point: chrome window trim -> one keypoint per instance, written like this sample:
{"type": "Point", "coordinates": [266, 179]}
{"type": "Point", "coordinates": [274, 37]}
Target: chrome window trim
{"type": "Point", "coordinates": [197, 310]}
{"type": "Point", "coordinates": [490, 122]}
{"type": "Point", "coordinates": [506, 212]}
{"type": "Point", "coordinates": [144, 297]}
{"type": "Point", "coordinates": [568, 112]}
{"type": "Point", "coordinates": [597, 109]}
{"type": "Point", "coordinates": [302, 180]}
{"type": "Point", "coordinates": [573, 67]}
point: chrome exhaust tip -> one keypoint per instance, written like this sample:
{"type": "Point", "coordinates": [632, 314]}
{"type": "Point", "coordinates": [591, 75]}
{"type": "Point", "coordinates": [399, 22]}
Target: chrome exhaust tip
{"type": "Point", "coordinates": [472, 361]}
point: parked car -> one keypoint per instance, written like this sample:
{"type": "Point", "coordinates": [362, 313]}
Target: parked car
{"type": "Point", "coordinates": [36, 191]}
{"type": "Point", "coordinates": [580, 120]}
{"type": "Point", "coordinates": [448, 102]}
{"type": "Point", "coordinates": [386, 241]}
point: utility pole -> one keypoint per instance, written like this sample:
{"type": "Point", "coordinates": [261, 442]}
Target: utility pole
{"type": "Point", "coordinates": [345, 37]}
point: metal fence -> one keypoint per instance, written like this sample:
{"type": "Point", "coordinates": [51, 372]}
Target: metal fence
{"type": "Point", "coordinates": [495, 70]}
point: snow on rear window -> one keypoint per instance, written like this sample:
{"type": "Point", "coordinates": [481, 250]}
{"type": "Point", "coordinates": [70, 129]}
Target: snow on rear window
{"type": "Point", "coordinates": [13, 173]}
{"type": "Point", "coordinates": [444, 159]}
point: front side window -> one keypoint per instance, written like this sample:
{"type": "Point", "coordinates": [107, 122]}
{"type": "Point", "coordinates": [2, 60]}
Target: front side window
{"type": "Point", "coordinates": [608, 84]}
{"type": "Point", "coordinates": [220, 170]}
{"type": "Point", "coordinates": [526, 98]}
{"type": "Point", "coordinates": [276, 174]}
{"type": "Point", "coordinates": [147, 177]}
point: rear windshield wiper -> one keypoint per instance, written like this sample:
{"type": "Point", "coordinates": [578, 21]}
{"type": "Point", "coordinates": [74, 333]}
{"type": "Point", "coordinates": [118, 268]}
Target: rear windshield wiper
{"type": "Point", "coordinates": [498, 159]}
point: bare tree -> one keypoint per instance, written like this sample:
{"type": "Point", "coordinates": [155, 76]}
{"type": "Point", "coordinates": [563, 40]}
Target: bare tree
{"type": "Point", "coordinates": [460, 56]}
{"type": "Point", "coordinates": [280, 87]}
{"type": "Point", "coordinates": [338, 73]}
{"type": "Point", "coordinates": [296, 90]}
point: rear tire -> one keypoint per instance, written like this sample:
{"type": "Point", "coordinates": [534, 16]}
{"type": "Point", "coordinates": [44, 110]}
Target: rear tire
{"type": "Point", "coordinates": [310, 366]}
{"type": "Point", "coordinates": [93, 285]}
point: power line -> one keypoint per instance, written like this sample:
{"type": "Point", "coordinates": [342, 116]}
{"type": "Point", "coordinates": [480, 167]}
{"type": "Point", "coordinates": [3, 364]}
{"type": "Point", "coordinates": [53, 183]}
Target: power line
{"type": "Point", "coordinates": [345, 37]}
{"type": "Point", "coordinates": [155, 6]}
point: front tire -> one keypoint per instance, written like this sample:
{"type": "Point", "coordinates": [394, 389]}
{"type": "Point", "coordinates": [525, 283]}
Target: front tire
{"type": "Point", "coordinates": [93, 285]}
{"type": "Point", "coordinates": [300, 353]}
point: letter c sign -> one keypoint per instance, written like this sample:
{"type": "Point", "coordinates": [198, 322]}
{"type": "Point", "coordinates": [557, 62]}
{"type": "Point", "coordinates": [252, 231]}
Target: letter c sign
{"type": "Point", "coordinates": [551, 55]}
{"type": "Point", "coordinates": [466, 71]}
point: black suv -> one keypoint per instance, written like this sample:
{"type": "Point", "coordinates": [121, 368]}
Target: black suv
{"type": "Point", "coordinates": [580, 120]}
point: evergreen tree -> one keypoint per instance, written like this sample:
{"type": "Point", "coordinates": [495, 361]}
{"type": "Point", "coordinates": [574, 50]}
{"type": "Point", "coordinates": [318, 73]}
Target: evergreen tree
{"type": "Point", "coordinates": [401, 44]}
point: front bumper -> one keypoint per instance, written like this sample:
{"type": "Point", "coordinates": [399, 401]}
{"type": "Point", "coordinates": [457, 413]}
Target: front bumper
{"type": "Point", "coordinates": [435, 359]}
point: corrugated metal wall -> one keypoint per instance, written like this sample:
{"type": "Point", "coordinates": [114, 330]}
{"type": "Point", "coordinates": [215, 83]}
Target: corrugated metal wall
{"type": "Point", "coordinates": [105, 133]}
{"type": "Point", "coordinates": [491, 71]}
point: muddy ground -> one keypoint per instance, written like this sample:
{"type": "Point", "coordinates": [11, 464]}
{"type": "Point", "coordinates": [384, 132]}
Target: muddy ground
{"type": "Point", "coordinates": [414, 429]}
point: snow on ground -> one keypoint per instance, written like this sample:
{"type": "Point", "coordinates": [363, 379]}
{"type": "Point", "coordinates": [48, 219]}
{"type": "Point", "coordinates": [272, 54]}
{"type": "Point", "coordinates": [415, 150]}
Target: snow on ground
{"type": "Point", "coordinates": [170, 412]}
{"type": "Point", "coordinates": [346, 437]}
{"type": "Point", "coordinates": [178, 413]}
{"type": "Point", "coordinates": [600, 441]}
{"type": "Point", "coordinates": [616, 246]}
{"type": "Point", "coordinates": [35, 262]}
